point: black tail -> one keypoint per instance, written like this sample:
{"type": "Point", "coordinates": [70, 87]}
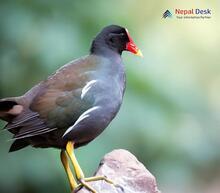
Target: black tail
{"type": "Point", "coordinates": [18, 144]}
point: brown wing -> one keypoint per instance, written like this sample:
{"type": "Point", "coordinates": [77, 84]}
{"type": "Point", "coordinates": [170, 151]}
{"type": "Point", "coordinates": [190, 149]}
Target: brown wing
{"type": "Point", "coordinates": [57, 104]}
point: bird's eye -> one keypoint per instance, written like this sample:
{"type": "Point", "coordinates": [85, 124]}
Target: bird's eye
{"type": "Point", "coordinates": [116, 36]}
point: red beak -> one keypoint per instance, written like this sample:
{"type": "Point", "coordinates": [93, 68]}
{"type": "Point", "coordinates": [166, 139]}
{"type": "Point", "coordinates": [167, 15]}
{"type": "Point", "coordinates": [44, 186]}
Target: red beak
{"type": "Point", "coordinates": [131, 47]}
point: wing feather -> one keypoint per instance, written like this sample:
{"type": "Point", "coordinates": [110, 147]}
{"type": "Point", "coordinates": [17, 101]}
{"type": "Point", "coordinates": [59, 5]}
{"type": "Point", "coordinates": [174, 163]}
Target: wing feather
{"type": "Point", "coordinates": [56, 103]}
{"type": "Point", "coordinates": [39, 132]}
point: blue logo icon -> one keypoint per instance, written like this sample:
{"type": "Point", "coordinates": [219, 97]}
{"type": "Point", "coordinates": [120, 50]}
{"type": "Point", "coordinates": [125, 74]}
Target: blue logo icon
{"type": "Point", "coordinates": [166, 14]}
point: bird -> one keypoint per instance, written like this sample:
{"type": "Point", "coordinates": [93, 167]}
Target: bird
{"type": "Point", "coordinates": [74, 105]}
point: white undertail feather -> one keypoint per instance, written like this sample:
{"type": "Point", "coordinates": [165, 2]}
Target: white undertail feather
{"type": "Point", "coordinates": [85, 115]}
{"type": "Point", "coordinates": [87, 87]}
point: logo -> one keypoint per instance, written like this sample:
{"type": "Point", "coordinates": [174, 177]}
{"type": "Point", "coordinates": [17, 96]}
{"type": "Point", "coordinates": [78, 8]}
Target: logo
{"type": "Point", "coordinates": [166, 14]}
{"type": "Point", "coordinates": [193, 13]}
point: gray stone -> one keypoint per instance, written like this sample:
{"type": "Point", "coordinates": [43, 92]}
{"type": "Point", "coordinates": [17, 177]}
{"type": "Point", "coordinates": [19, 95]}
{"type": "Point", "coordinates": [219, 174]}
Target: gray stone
{"type": "Point", "coordinates": [123, 169]}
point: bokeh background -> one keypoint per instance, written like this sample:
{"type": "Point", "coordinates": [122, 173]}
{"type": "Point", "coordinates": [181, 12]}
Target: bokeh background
{"type": "Point", "coordinates": [170, 115]}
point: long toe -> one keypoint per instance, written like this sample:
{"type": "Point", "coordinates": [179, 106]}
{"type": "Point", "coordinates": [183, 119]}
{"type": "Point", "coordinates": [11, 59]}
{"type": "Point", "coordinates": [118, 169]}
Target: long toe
{"type": "Point", "coordinates": [104, 178]}
{"type": "Point", "coordinates": [83, 183]}
{"type": "Point", "coordinates": [97, 178]}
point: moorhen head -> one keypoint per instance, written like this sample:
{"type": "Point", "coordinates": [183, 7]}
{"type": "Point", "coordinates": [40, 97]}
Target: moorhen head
{"type": "Point", "coordinates": [74, 105]}
{"type": "Point", "coordinates": [114, 38]}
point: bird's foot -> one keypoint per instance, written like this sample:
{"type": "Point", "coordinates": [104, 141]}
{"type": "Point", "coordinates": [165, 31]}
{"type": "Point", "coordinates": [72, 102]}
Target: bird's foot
{"type": "Point", "coordinates": [84, 183]}
{"type": "Point", "coordinates": [97, 178]}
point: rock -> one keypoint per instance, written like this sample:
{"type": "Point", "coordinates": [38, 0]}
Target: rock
{"type": "Point", "coordinates": [123, 169]}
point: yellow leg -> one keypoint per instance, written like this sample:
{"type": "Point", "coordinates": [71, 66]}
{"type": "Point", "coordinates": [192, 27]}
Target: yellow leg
{"type": "Point", "coordinates": [64, 159]}
{"type": "Point", "coordinates": [79, 173]}
{"type": "Point", "coordinates": [70, 153]}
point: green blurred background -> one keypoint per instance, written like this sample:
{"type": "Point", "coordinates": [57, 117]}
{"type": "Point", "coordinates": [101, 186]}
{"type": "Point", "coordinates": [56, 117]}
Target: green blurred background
{"type": "Point", "coordinates": [170, 115]}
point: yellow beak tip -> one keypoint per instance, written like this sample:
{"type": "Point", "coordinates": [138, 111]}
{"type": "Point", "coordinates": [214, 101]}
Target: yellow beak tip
{"type": "Point", "coordinates": [139, 53]}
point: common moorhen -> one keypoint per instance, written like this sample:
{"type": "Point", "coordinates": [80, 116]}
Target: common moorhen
{"type": "Point", "coordinates": [75, 104]}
